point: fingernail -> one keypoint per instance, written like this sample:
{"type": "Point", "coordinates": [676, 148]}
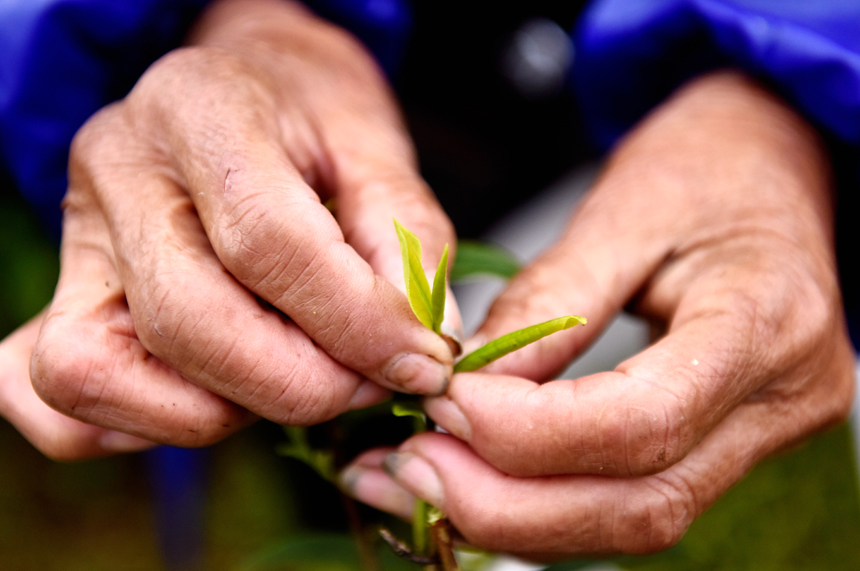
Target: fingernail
{"type": "Point", "coordinates": [447, 414]}
{"type": "Point", "coordinates": [368, 394]}
{"type": "Point", "coordinates": [416, 373]}
{"type": "Point", "coordinates": [416, 475]}
{"type": "Point", "coordinates": [349, 477]}
{"type": "Point", "coordinates": [113, 441]}
{"type": "Point", "coordinates": [375, 488]}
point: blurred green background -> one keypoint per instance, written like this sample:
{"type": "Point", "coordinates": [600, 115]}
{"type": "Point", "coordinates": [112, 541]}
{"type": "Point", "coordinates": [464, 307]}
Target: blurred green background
{"type": "Point", "coordinates": [799, 511]}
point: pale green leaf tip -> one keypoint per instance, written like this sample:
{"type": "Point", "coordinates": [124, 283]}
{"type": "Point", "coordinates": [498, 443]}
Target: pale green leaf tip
{"type": "Point", "coordinates": [439, 292]}
{"type": "Point", "coordinates": [417, 288]}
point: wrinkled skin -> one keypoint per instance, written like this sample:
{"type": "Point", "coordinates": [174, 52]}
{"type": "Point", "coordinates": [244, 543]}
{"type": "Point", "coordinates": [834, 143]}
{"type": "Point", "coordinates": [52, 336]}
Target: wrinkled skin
{"type": "Point", "coordinates": [199, 195]}
{"type": "Point", "coordinates": [715, 217]}
{"type": "Point", "coordinates": [203, 283]}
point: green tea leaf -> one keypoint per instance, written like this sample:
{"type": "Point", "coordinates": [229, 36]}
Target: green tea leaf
{"type": "Point", "coordinates": [513, 341]}
{"type": "Point", "coordinates": [440, 290]}
{"type": "Point", "coordinates": [417, 288]}
{"type": "Point", "coordinates": [480, 258]}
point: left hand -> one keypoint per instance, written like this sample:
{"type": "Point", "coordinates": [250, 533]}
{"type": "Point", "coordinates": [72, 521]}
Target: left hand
{"type": "Point", "coordinates": [202, 282]}
{"type": "Point", "coordinates": [714, 216]}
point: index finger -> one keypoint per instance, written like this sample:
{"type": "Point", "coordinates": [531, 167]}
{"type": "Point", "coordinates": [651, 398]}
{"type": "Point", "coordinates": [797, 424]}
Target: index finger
{"type": "Point", "coordinates": [270, 231]}
{"type": "Point", "coordinates": [727, 344]}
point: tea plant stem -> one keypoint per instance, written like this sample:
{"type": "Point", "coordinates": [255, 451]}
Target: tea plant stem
{"type": "Point", "coordinates": [419, 527]}
{"type": "Point", "coordinates": [441, 533]}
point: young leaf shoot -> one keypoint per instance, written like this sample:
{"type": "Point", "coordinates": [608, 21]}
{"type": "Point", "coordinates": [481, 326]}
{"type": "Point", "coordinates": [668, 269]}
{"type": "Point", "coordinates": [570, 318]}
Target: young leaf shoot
{"type": "Point", "coordinates": [427, 305]}
{"type": "Point", "coordinates": [440, 291]}
{"type": "Point", "coordinates": [513, 341]}
{"type": "Point", "coordinates": [417, 288]}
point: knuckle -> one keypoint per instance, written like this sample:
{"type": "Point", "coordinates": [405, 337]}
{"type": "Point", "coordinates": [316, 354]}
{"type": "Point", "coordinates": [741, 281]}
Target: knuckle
{"type": "Point", "coordinates": [95, 147]}
{"type": "Point", "coordinates": [88, 139]}
{"type": "Point", "coordinates": [246, 239]}
{"type": "Point", "coordinates": [177, 84]}
{"type": "Point", "coordinates": [640, 440]}
{"type": "Point", "coordinates": [189, 65]}
{"type": "Point", "coordinates": [68, 374]}
{"type": "Point", "coordinates": [675, 507]}
{"type": "Point", "coordinates": [274, 259]}
{"type": "Point", "coordinates": [659, 518]}
{"type": "Point", "coordinates": [790, 306]}
{"type": "Point", "coordinates": [833, 383]}
{"type": "Point", "coordinates": [303, 406]}
{"type": "Point", "coordinates": [307, 396]}
{"type": "Point", "coordinates": [159, 317]}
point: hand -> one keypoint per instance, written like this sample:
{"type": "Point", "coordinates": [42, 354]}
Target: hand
{"type": "Point", "coordinates": [713, 218]}
{"type": "Point", "coordinates": [203, 283]}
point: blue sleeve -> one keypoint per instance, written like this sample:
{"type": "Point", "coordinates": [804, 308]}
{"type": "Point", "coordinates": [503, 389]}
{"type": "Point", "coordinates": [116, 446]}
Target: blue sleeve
{"type": "Point", "coordinates": [632, 53]}
{"type": "Point", "coordinates": [60, 61]}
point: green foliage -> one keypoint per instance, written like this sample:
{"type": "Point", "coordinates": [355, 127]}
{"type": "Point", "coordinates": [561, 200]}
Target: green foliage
{"type": "Point", "coordinates": [480, 258]}
{"type": "Point", "coordinates": [29, 262]}
{"type": "Point", "coordinates": [799, 511]}
{"type": "Point", "coordinates": [321, 461]}
{"type": "Point", "coordinates": [513, 341]}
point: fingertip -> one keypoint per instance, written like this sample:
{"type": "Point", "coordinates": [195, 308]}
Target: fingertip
{"type": "Point", "coordinates": [416, 475]}
{"type": "Point", "coordinates": [368, 394]}
{"type": "Point", "coordinates": [448, 414]}
{"type": "Point", "coordinates": [417, 373]}
{"type": "Point", "coordinates": [375, 488]}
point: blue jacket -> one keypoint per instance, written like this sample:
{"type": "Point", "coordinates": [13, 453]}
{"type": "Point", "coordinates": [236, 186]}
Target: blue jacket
{"type": "Point", "coordinates": [61, 60]}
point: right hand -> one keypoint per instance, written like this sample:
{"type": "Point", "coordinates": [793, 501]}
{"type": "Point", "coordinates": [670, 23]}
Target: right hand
{"type": "Point", "coordinates": [202, 281]}
{"type": "Point", "coordinates": [714, 216]}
